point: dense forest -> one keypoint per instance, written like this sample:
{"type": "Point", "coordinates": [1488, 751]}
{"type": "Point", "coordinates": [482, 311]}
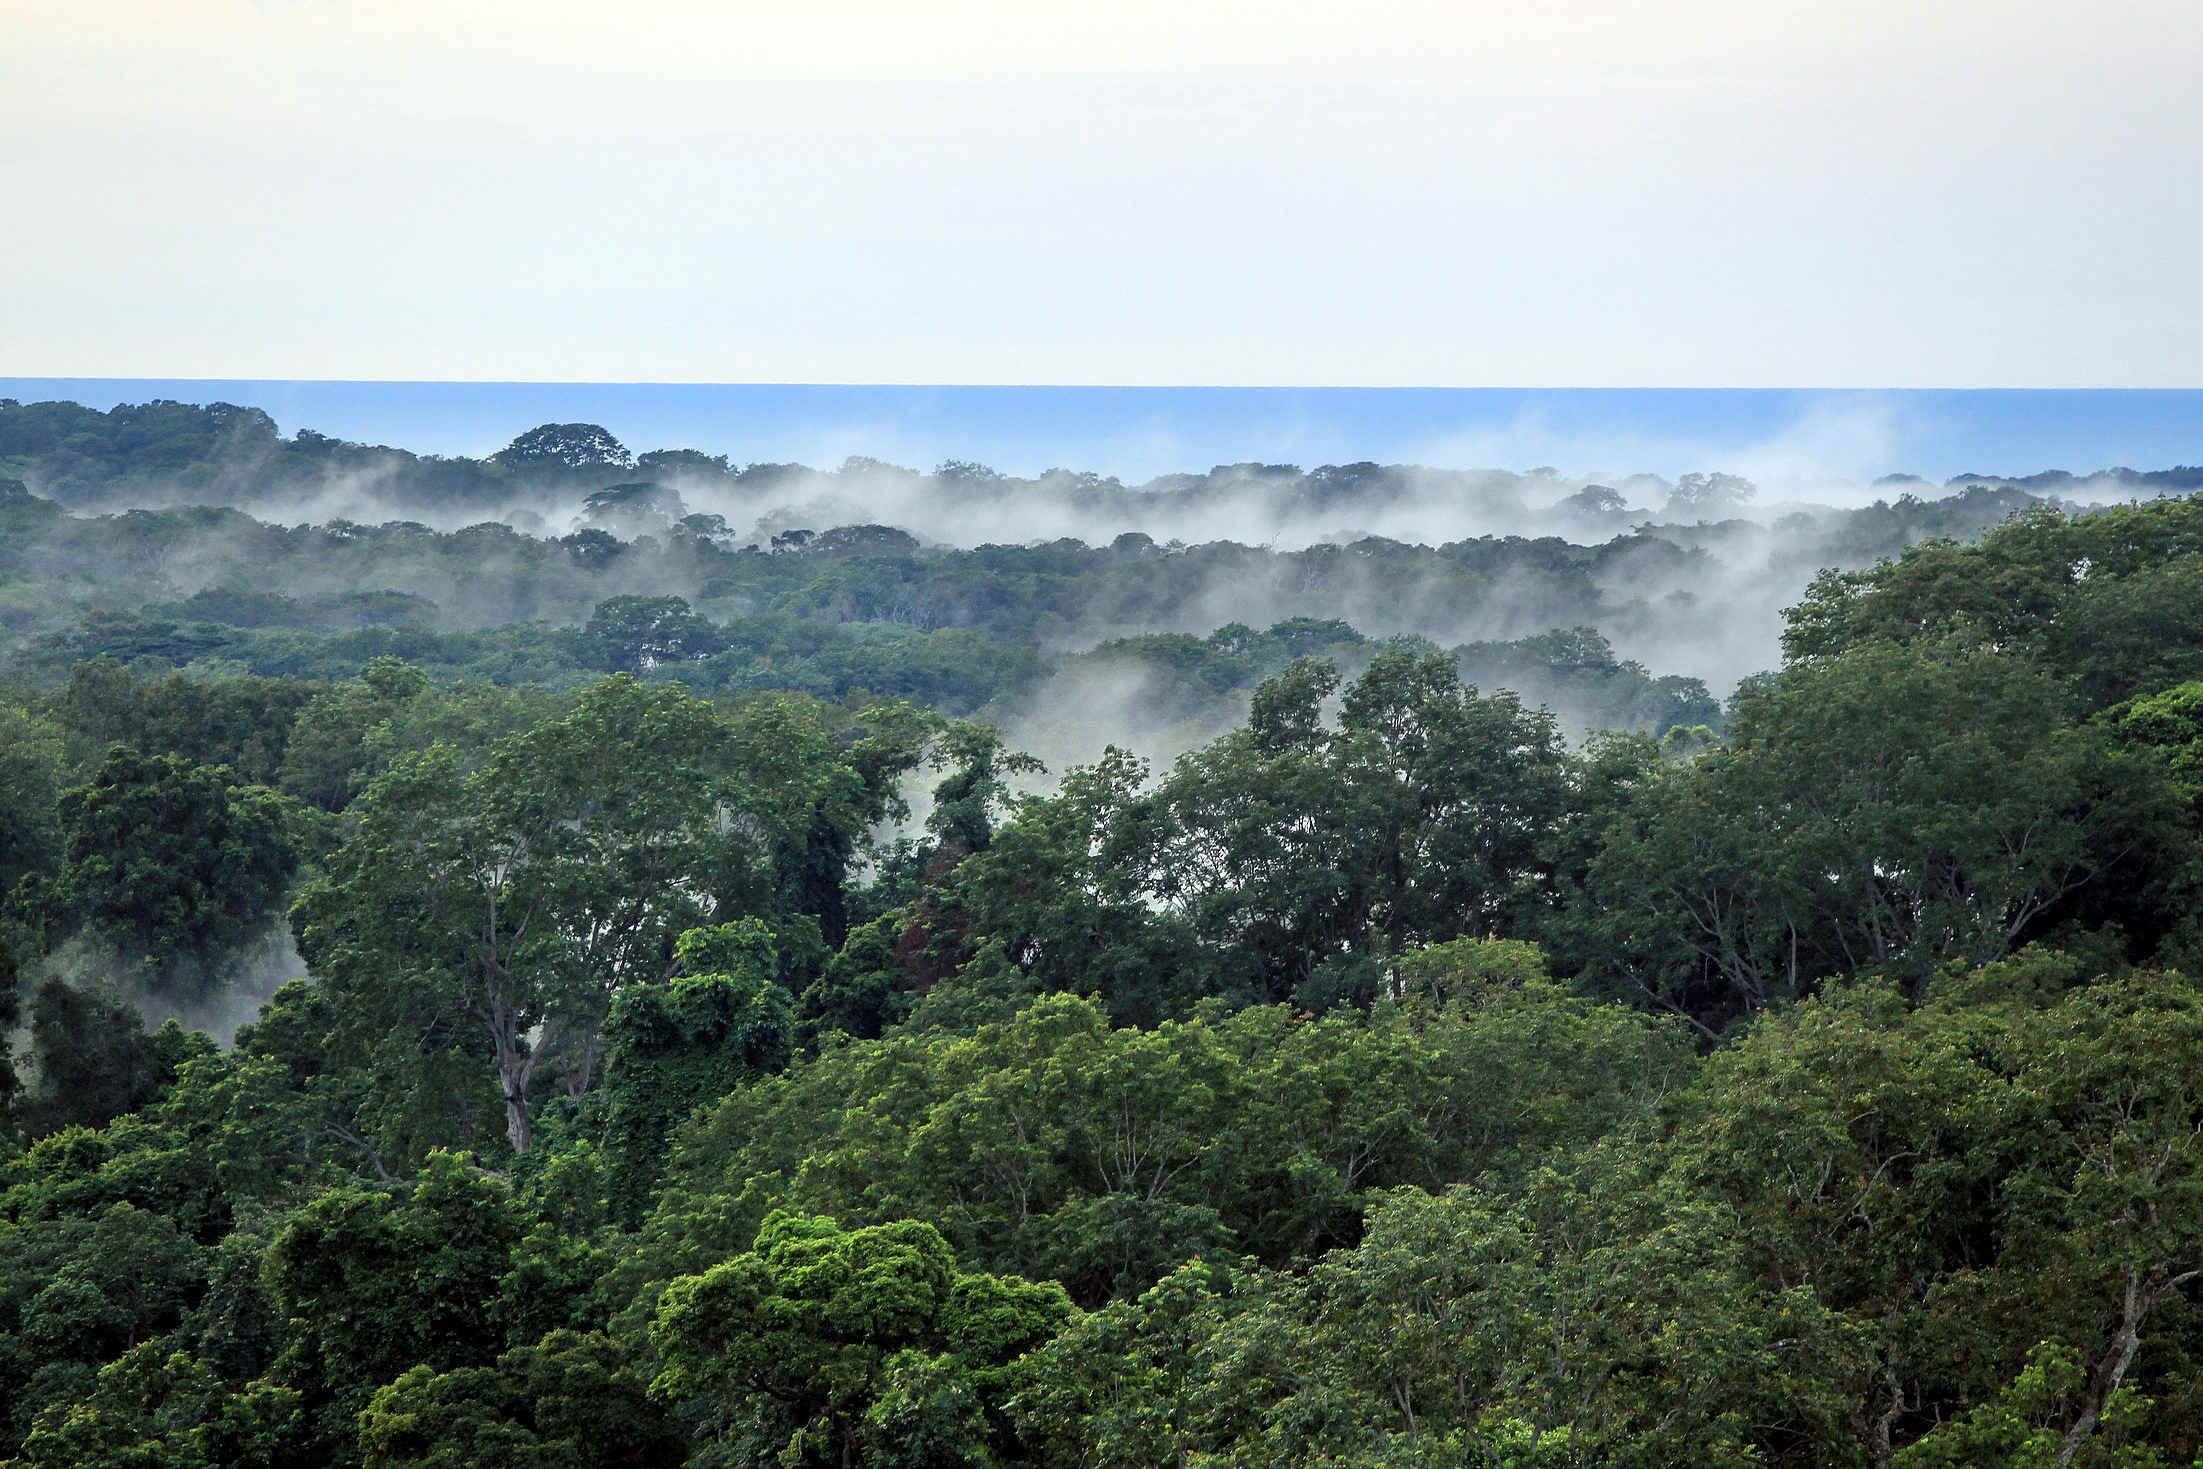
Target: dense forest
{"type": "Point", "coordinates": [631, 995]}
{"type": "Point", "coordinates": [133, 534]}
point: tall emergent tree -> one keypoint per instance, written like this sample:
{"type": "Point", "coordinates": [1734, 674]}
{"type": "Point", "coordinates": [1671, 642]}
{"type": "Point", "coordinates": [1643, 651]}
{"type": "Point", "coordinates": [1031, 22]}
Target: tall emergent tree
{"type": "Point", "coordinates": [497, 910]}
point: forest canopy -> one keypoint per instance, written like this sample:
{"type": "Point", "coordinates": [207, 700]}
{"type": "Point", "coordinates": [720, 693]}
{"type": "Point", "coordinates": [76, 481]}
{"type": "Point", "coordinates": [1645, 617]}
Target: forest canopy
{"type": "Point", "coordinates": [636, 997]}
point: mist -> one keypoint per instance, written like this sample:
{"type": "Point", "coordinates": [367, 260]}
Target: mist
{"type": "Point", "coordinates": [1685, 575]}
{"type": "Point", "coordinates": [1072, 611]}
{"type": "Point", "coordinates": [217, 997]}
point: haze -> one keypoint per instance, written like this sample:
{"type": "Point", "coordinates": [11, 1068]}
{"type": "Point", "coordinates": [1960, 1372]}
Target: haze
{"type": "Point", "coordinates": [1710, 191]}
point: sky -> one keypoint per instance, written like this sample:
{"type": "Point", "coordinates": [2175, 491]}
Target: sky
{"type": "Point", "coordinates": [1668, 193]}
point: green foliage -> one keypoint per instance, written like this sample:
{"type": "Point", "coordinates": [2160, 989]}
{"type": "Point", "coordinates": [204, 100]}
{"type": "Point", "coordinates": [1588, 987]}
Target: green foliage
{"type": "Point", "coordinates": [1573, 671]}
{"type": "Point", "coordinates": [868, 1346]}
{"type": "Point", "coordinates": [94, 1059]}
{"type": "Point", "coordinates": [2038, 1150]}
{"type": "Point", "coordinates": [1053, 1145]}
{"type": "Point", "coordinates": [31, 780]}
{"type": "Point", "coordinates": [2023, 1425]}
{"type": "Point", "coordinates": [642, 632]}
{"type": "Point", "coordinates": [1890, 808]}
{"type": "Point", "coordinates": [841, 612]}
{"type": "Point", "coordinates": [673, 1047]}
{"type": "Point", "coordinates": [1461, 967]}
{"type": "Point", "coordinates": [1287, 860]}
{"type": "Point", "coordinates": [565, 446]}
{"type": "Point", "coordinates": [2112, 600]}
{"type": "Point", "coordinates": [151, 1409]}
{"type": "Point", "coordinates": [1388, 1081]}
{"type": "Point", "coordinates": [11, 1012]}
{"type": "Point", "coordinates": [1446, 1336]}
{"type": "Point", "coordinates": [175, 861]}
{"type": "Point", "coordinates": [975, 786]}
{"type": "Point", "coordinates": [2170, 721]}
{"type": "Point", "coordinates": [570, 1401]}
{"type": "Point", "coordinates": [234, 720]}
{"type": "Point", "coordinates": [507, 906]}
{"type": "Point", "coordinates": [331, 746]}
{"type": "Point", "coordinates": [371, 1285]}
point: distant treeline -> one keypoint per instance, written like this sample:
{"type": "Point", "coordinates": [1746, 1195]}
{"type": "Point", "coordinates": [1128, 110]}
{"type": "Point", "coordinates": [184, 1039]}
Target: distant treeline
{"type": "Point", "coordinates": [852, 611]}
{"type": "Point", "coordinates": [168, 453]}
{"type": "Point", "coordinates": [868, 607]}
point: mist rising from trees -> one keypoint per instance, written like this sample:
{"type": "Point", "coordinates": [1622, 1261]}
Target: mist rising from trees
{"type": "Point", "coordinates": [709, 1037]}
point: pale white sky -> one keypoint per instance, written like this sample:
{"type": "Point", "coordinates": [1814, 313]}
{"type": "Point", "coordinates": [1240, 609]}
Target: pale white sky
{"type": "Point", "coordinates": [1575, 192]}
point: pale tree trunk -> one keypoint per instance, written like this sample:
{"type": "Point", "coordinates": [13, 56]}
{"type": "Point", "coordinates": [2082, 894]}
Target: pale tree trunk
{"type": "Point", "coordinates": [577, 1072]}
{"type": "Point", "coordinates": [2111, 1368]}
{"type": "Point", "coordinates": [1881, 1443]}
{"type": "Point", "coordinates": [512, 1072]}
{"type": "Point", "coordinates": [515, 1062]}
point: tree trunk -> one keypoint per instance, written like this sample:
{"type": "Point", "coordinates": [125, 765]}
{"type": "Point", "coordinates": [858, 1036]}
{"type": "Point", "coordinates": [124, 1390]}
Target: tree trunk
{"type": "Point", "coordinates": [578, 1071]}
{"type": "Point", "coordinates": [512, 1074]}
{"type": "Point", "coordinates": [2111, 1369]}
{"type": "Point", "coordinates": [515, 1059]}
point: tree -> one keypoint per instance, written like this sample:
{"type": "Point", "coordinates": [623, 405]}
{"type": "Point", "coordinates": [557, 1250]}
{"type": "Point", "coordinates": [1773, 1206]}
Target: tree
{"type": "Point", "coordinates": [974, 788]}
{"type": "Point", "coordinates": [825, 1345]}
{"type": "Point", "coordinates": [230, 719]}
{"type": "Point", "coordinates": [517, 899]}
{"type": "Point", "coordinates": [570, 1401]}
{"type": "Point", "coordinates": [1461, 968]}
{"type": "Point", "coordinates": [2112, 600]}
{"type": "Point", "coordinates": [1121, 1387]}
{"type": "Point", "coordinates": [94, 1058]}
{"type": "Point", "coordinates": [2023, 1425]}
{"type": "Point", "coordinates": [1598, 500]}
{"type": "Point", "coordinates": [1065, 892]}
{"type": "Point", "coordinates": [506, 906]}
{"type": "Point", "coordinates": [634, 509]}
{"type": "Point", "coordinates": [372, 1283]}
{"type": "Point", "coordinates": [83, 1279]}
{"type": "Point", "coordinates": [153, 1408]}
{"type": "Point", "coordinates": [1584, 1321]}
{"type": "Point", "coordinates": [1463, 791]}
{"type": "Point", "coordinates": [1709, 496]}
{"type": "Point", "coordinates": [30, 792]}
{"type": "Point", "coordinates": [1311, 853]}
{"type": "Point", "coordinates": [592, 549]}
{"type": "Point", "coordinates": [2120, 1215]}
{"type": "Point", "coordinates": [564, 446]}
{"type": "Point", "coordinates": [1053, 1144]}
{"type": "Point", "coordinates": [178, 861]}
{"type": "Point", "coordinates": [331, 743]}
{"type": "Point", "coordinates": [684, 463]}
{"type": "Point", "coordinates": [641, 632]}
{"type": "Point", "coordinates": [2169, 721]}
{"type": "Point", "coordinates": [2014, 1162]}
{"type": "Point", "coordinates": [1891, 809]}
{"type": "Point", "coordinates": [673, 1047]}
{"type": "Point", "coordinates": [11, 1014]}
